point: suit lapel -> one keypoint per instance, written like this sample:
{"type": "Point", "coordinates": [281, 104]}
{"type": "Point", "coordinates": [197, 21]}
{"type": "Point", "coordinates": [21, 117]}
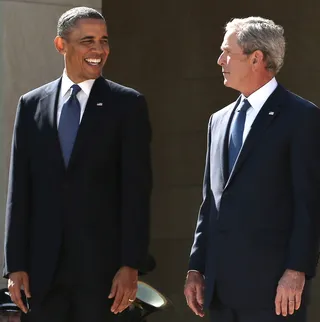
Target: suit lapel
{"type": "Point", "coordinates": [48, 103]}
{"type": "Point", "coordinates": [97, 103]}
{"type": "Point", "coordinates": [265, 117]}
{"type": "Point", "coordinates": [219, 141]}
{"type": "Point", "coordinates": [47, 116]}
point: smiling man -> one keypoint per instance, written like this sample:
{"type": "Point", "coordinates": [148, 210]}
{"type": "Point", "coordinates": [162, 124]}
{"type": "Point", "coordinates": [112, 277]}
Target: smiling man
{"type": "Point", "coordinates": [77, 215]}
{"type": "Point", "coordinates": [256, 244]}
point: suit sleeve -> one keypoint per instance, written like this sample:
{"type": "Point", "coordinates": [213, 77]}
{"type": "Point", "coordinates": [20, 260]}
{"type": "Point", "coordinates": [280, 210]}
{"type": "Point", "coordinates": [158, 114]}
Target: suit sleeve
{"type": "Point", "coordinates": [197, 258]}
{"type": "Point", "coordinates": [136, 184]}
{"type": "Point", "coordinates": [16, 238]}
{"type": "Point", "coordinates": [305, 167]}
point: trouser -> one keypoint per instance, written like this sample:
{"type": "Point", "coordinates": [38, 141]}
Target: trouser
{"type": "Point", "coordinates": [221, 313]}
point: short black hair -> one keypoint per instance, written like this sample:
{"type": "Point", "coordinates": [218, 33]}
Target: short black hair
{"type": "Point", "coordinates": [69, 19]}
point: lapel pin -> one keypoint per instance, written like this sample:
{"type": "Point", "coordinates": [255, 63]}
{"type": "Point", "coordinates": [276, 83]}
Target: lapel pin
{"type": "Point", "coordinates": [99, 104]}
{"type": "Point", "coordinates": [271, 113]}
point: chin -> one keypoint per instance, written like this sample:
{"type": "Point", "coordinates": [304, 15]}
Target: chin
{"type": "Point", "coordinates": [93, 72]}
{"type": "Point", "coordinates": [229, 85]}
{"type": "Point", "coordinates": [94, 75]}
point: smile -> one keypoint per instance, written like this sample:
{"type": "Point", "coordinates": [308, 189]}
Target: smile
{"type": "Point", "coordinates": [93, 61]}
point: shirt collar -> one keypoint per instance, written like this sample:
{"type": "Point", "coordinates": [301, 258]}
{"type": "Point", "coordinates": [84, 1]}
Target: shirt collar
{"type": "Point", "coordinates": [259, 97]}
{"type": "Point", "coordinates": [66, 83]}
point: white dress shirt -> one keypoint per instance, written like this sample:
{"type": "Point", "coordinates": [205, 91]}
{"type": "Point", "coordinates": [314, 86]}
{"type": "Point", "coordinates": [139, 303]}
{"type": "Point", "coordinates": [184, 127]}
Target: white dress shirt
{"type": "Point", "coordinates": [65, 92]}
{"type": "Point", "coordinates": [256, 100]}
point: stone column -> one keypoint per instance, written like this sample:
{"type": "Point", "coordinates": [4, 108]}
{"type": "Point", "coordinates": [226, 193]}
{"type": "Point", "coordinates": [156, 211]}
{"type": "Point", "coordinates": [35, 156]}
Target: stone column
{"type": "Point", "coordinates": [28, 59]}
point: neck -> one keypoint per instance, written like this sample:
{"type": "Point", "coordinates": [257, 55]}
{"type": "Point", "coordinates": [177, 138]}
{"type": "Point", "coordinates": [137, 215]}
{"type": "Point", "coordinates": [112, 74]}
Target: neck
{"type": "Point", "coordinates": [75, 79]}
{"type": "Point", "coordinates": [72, 78]}
{"type": "Point", "coordinates": [257, 85]}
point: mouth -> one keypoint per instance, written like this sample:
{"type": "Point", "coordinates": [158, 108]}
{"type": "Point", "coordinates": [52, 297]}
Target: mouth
{"type": "Point", "coordinates": [93, 61]}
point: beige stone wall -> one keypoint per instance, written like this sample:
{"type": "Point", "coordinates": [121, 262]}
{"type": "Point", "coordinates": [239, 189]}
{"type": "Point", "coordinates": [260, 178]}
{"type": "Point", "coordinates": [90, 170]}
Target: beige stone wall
{"type": "Point", "coordinates": [28, 59]}
{"type": "Point", "coordinates": [2, 133]}
{"type": "Point", "coordinates": [168, 50]}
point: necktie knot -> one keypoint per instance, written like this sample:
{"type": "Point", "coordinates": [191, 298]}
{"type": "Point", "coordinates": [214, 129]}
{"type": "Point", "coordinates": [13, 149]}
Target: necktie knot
{"type": "Point", "coordinates": [245, 106]}
{"type": "Point", "coordinates": [75, 89]}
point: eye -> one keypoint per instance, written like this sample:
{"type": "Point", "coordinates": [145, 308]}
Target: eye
{"type": "Point", "coordinates": [224, 52]}
{"type": "Point", "coordinates": [86, 42]}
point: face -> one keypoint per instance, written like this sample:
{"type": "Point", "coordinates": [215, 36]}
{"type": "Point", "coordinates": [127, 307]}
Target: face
{"type": "Point", "coordinates": [236, 66]}
{"type": "Point", "coordinates": [85, 49]}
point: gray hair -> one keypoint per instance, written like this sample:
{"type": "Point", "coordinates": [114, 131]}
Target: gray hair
{"type": "Point", "coordinates": [256, 33]}
{"type": "Point", "coordinates": [69, 19]}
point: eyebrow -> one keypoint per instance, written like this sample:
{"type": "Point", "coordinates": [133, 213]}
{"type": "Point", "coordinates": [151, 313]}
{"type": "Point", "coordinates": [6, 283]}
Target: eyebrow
{"type": "Point", "coordinates": [225, 48]}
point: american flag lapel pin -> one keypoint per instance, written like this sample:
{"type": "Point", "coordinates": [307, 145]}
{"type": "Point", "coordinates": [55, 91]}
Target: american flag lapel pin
{"type": "Point", "coordinates": [271, 113]}
{"type": "Point", "coordinates": [100, 104]}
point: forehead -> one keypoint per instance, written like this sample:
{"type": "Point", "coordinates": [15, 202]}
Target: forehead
{"type": "Point", "coordinates": [230, 41]}
{"type": "Point", "coordinates": [89, 25]}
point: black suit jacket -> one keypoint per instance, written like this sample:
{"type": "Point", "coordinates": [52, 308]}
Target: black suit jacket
{"type": "Point", "coordinates": [264, 217]}
{"type": "Point", "coordinates": [97, 208]}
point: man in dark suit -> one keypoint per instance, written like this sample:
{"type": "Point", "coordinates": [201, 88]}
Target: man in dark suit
{"type": "Point", "coordinates": [77, 225]}
{"type": "Point", "coordinates": [257, 236]}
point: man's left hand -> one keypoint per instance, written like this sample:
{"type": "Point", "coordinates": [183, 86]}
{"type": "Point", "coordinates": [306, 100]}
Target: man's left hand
{"type": "Point", "coordinates": [289, 292]}
{"type": "Point", "coordinates": [124, 288]}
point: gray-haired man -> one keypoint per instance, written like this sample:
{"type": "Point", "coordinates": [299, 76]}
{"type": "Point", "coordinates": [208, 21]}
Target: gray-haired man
{"type": "Point", "coordinates": [257, 238]}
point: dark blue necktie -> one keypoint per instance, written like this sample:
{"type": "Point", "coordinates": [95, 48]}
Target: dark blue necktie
{"type": "Point", "coordinates": [69, 123]}
{"type": "Point", "coordinates": [236, 135]}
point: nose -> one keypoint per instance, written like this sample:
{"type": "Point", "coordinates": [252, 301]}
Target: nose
{"type": "Point", "coordinates": [221, 59]}
{"type": "Point", "coordinates": [98, 47]}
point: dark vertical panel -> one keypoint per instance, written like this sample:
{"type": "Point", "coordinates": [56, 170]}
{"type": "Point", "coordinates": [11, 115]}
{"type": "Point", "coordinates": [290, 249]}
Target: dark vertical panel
{"type": "Point", "coordinates": [168, 50]}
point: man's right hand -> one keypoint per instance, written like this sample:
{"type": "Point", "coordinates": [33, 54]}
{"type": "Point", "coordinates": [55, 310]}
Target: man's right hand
{"type": "Point", "coordinates": [194, 291]}
{"type": "Point", "coordinates": [18, 280]}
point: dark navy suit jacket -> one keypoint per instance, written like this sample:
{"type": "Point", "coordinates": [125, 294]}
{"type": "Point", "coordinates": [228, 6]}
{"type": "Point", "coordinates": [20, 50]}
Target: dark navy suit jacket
{"type": "Point", "coordinates": [98, 207]}
{"type": "Point", "coordinates": [264, 218]}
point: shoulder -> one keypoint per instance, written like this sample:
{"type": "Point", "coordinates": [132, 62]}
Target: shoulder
{"type": "Point", "coordinates": [127, 100]}
{"type": "Point", "coordinates": [223, 112]}
{"type": "Point", "coordinates": [301, 107]}
{"type": "Point", "coordinates": [40, 92]}
{"type": "Point", "coordinates": [299, 102]}
{"type": "Point", "coordinates": [297, 113]}
{"type": "Point", "coordinates": [28, 102]}
{"type": "Point", "coordinates": [121, 90]}
{"type": "Point", "coordinates": [225, 109]}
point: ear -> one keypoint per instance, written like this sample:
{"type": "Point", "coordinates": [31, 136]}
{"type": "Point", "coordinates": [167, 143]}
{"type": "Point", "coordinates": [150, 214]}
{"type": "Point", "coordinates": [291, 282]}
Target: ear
{"type": "Point", "coordinates": [257, 57]}
{"type": "Point", "coordinates": [60, 45]}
